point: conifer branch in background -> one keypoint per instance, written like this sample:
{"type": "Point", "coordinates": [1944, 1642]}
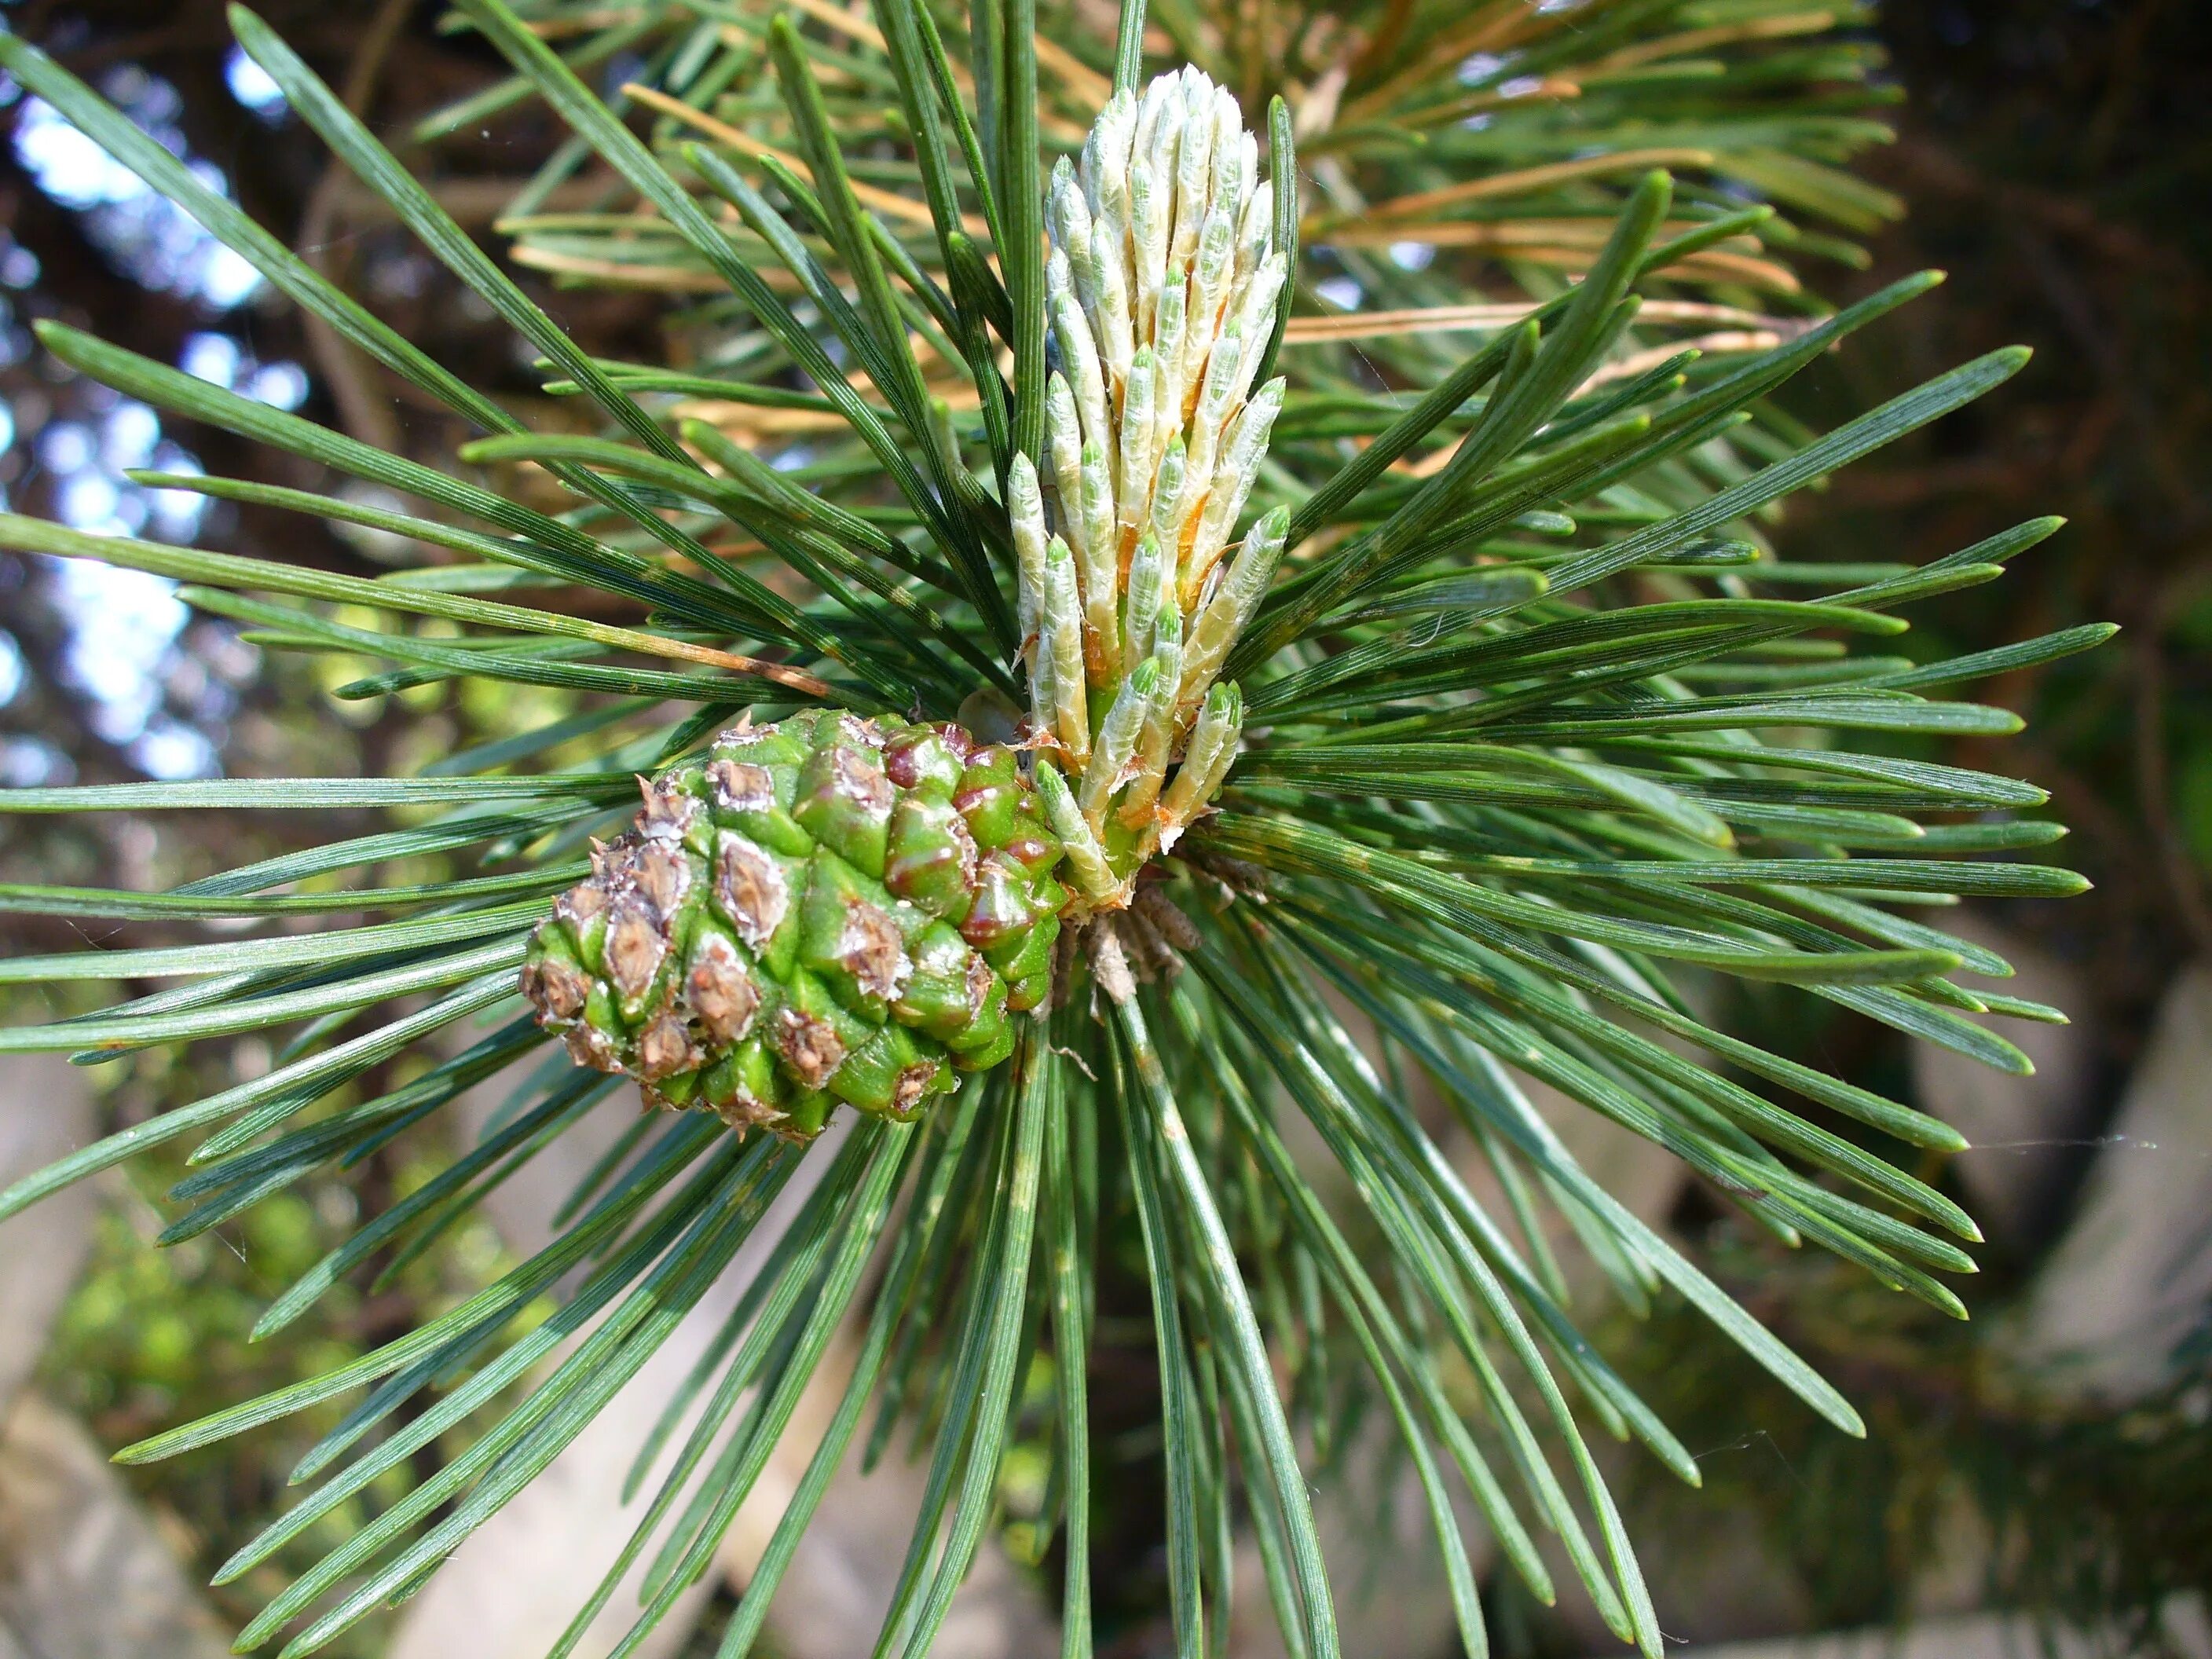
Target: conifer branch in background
{"type": "Point", "coordinates": [1151, 570]}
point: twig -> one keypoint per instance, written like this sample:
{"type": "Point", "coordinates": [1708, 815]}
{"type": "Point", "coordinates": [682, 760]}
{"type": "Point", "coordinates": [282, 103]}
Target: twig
{"type": "Point", "coordinates": [363, 413]}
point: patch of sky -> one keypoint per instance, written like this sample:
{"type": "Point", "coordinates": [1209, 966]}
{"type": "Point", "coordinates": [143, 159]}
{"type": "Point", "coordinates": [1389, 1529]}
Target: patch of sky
{"type": "Point", "coordinates": [11, 668]}
{"type": "Point", "coordinates": [125, 646]}
{"type": "Point", "coordinates": [124, 624]}
{"type": "Point", "coordinates": [219, 359]}
{"type": "Point", "coordinates": [132, 651]}
{"type": "Point", "coordinates": [1342, 292]}
{"type": "Point", "coordinates": [250, 84]}
{"type": "Point", "coordinates": [150, 237]}
{"type": "Point", "coordinates": [26, 762]}
{"type": "Point", "coordinates": [18, 266]}
{"type": "Point", "coordinates": [169, 748]}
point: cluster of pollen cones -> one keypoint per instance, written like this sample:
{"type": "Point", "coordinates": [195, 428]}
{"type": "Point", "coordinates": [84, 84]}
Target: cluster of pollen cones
{"type": "Point", "coordinates": [1162, 288]}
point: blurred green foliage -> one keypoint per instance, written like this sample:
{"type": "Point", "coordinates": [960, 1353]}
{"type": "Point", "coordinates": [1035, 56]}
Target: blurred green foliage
{"type": "Point", "coordinates": [154, 1337]}
{"type": "Point", "coordinates": [1979, 1483]}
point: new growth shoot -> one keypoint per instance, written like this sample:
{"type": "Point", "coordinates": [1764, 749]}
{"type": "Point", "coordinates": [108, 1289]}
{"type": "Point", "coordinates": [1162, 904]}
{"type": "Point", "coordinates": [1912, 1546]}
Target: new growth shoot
{"type": "Point", "coordinates": [1161, 286]}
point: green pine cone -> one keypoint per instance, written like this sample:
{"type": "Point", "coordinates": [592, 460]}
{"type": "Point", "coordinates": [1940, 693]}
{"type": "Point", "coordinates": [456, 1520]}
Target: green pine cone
{"type": "Point", "coordinates": [823, 909]}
